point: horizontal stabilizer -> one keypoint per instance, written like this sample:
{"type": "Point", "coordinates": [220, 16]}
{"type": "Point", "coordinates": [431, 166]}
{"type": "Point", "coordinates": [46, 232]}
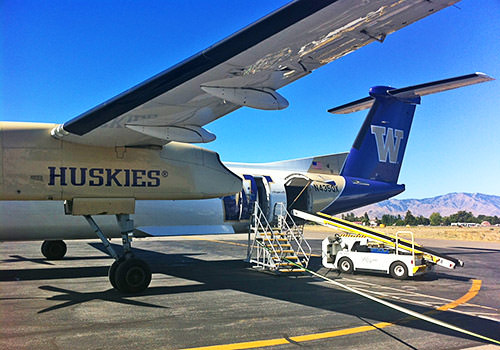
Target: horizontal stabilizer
{"type": "Point", "coordinates": [415, 90]}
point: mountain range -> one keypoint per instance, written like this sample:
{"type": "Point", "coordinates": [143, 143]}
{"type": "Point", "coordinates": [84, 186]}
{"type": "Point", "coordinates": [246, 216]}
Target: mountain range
{"type": "Point", "coordinates": [447, 204]}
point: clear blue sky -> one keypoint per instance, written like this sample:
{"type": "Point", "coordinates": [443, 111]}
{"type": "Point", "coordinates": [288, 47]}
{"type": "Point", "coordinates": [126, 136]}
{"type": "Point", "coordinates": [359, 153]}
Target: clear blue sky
{"type": "Point", "coordinates": [61, 58]}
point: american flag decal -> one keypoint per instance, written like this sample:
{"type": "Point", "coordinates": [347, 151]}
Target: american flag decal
{"type": "Point", "coordinates": [317, 165]}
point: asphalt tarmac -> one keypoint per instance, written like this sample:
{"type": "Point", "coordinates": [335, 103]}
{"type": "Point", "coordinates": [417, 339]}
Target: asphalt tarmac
{"type": "Point", "coordinates": [204, 294]}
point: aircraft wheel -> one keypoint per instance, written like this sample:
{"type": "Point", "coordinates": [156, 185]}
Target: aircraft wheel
{"type": "Point", "coordinates": [132, 275]}
{"type": "Point", "coordinates": [398, 270]}
{"type": "Point", "coordinates": [112, 272]}
{"type": "Point", "coordinates": [54, 250]}
{"type": "Point", "coordinates": [345, 265]}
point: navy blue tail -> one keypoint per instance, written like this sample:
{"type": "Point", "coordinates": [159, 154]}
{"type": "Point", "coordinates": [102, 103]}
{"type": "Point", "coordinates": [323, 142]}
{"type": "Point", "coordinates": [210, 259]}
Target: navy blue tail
{"type": "Point", "coordinates": [377, 152]}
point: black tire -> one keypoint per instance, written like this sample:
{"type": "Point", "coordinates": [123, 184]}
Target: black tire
{"type": "Point", "coordinates": [54, 250]}
{"type": "Point", "coordinates": [112, 272]}
{"type": "Point", "coordinates": [345, 265]}
{"type": "Point", "coordinates": [132, 276]}
{"type": "Point", "coordinates": [398, 270]}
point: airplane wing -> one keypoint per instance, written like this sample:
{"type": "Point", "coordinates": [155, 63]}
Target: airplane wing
{"type": "Point", "coordinates": [245, 69]}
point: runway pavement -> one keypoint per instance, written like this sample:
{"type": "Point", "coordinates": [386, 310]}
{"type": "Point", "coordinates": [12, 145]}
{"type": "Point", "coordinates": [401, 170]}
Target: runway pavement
{"type": "Point", "coordinates": [204, 294]}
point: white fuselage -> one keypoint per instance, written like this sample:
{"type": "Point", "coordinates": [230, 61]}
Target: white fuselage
{"type": "Point", "coordinates": [176, 189]}
{"type": "Point", "coordinates": [46, 220]}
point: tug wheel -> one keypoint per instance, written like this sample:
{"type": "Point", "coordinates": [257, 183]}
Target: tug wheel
{"type": "Point", "coordinates": [399, 270]}
{"type": "Point", "coordinates": [345, 265]}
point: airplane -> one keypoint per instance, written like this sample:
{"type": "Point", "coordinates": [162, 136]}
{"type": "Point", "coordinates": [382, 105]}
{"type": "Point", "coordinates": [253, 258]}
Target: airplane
{"type": "Point", "coordinates": [131, 159]}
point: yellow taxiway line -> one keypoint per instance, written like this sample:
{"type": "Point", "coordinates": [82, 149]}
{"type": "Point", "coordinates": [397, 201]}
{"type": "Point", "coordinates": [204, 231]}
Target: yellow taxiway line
{"type": "Point", "coordinates": [473, 291]}
{"type": "Point", "coordinates": [297, 339]}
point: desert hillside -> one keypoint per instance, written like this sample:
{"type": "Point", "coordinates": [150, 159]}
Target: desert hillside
{"type": "Point", "coordinates": [490, 234]}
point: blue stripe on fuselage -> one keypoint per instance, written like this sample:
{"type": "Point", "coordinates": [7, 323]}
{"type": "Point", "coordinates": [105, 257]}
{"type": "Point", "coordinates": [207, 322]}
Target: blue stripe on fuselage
{"type": "Point", "coordinates": [359, 192]}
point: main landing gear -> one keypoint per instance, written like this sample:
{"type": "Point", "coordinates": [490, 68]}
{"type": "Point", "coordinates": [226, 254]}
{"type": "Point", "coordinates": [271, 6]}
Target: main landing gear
{"type": "Point", "coordinates": [54, 250]}
{"type": "Point", "coordinates": [127, 273]}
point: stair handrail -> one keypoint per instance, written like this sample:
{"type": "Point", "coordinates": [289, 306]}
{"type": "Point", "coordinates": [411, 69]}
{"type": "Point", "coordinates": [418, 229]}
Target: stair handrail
{"type": "Point", "coordinates": [295, 230]}
{"type": "Point", "coordinates": [261, 224]}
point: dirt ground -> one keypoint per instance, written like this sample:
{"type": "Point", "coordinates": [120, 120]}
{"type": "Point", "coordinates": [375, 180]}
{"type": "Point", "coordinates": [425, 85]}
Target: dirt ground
{"type": "Point", "coordinates": [489, 234]}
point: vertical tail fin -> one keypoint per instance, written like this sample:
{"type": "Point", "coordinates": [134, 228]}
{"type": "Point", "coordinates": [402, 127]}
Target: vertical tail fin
{"type": "Point", "coordinates": [377, 152]}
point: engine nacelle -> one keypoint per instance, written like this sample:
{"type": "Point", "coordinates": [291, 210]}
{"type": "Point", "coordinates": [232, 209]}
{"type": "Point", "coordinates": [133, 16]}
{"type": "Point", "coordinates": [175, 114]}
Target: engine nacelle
{"type": "Point", "coordinates": [37, 166]}
{"type": "Point", "coordinates": [262, 98]}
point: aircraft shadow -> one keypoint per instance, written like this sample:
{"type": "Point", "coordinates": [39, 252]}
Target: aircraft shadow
{"type": "Point", "coordinates": [236, 275]}
{"type": "Point", "coordinates": [432, 276]}
{"type": "Point", "coordinates": [43, 261]}
{"type": "Point", "coordinates": [70, 298]}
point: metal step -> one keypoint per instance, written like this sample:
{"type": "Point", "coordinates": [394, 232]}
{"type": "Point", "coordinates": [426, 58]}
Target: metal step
{"type": "Point", "coordinates": [289, 264]}
{"type": "Point", "coordinates": [274, 247]}
{"type": "Point", "coordinates": [292, 270]}
{"type": "Point", "coordinates": [290, 257]}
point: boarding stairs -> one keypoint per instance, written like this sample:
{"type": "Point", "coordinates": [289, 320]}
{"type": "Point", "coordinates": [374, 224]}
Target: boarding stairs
{"type": "Point", "coordinates": [279, 247]}
{"type": "Point", "coordinates": [388, 240]}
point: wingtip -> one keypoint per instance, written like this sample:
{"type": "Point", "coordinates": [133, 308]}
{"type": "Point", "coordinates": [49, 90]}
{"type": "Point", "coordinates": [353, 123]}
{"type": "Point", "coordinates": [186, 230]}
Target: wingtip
{"type": "Point", "coordinates": [485, 76]}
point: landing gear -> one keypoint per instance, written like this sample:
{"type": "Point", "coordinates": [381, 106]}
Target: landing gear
{"type": "Point", "coordinates": [132, 275]}
{"type": "Point", "coordinates": [127, 273]}
{"type": "Point", "coordinates": [112, 273]}
{"type": "Point", "coordinates": [54, 250]}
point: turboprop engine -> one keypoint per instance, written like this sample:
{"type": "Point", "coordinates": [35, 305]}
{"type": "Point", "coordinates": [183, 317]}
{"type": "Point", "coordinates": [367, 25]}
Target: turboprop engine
{"type": "Point", "coordinates": [37, 166]}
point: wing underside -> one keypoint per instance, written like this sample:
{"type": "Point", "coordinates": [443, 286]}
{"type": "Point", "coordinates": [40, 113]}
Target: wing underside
{"type": "Point", "coordinates": [245, 69]}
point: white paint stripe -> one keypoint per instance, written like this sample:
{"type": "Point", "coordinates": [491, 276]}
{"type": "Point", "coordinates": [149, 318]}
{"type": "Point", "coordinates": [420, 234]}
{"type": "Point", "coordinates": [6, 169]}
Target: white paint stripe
{"type": "Point", "coordinates": [415, 293]}
{"type": "Point", "coordinates": [434, 304]}
{"type": "Point", "coordinates": [489, 318]}
{"type": "Point", "coordinates": [404, 310]}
